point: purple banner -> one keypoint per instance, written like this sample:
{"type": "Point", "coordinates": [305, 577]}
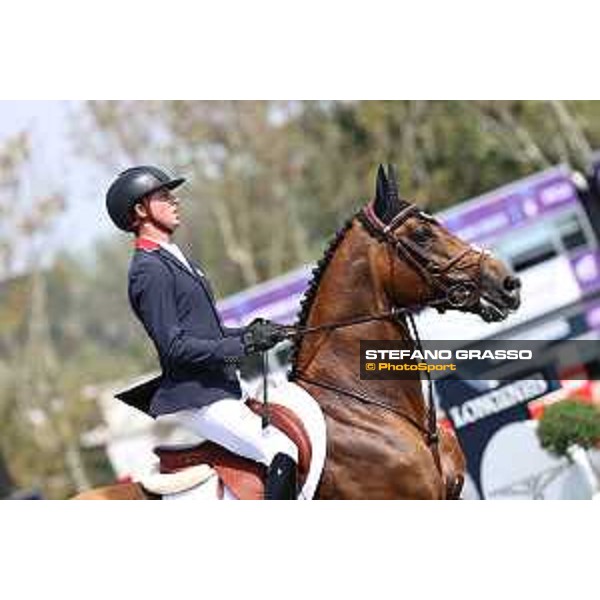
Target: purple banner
{"type": "Point", "coordinates": [279, 299]}
{"type": "Point", "coordinates": [593, 318]}
{"type": "Point", "coordinates": [586, 267]}
{"type": "Point", "coordinates": [498, 212]}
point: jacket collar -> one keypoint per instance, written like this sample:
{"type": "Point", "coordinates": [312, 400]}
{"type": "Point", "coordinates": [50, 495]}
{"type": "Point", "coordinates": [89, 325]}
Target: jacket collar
{"type": "Point", "coordinates": [151, 246]}
{"type": "Point", "coordinates": [146, 244]}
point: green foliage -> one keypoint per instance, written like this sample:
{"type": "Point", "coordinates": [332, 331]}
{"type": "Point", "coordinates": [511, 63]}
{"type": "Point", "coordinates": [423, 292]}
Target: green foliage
{"type": "Point", "coordinates": [569, 423]}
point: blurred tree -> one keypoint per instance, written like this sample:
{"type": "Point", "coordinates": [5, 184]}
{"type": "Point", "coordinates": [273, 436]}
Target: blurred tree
{"type": "Point", "coordinates": [40, 414]}
{"type": "Point", "coordinates": [6, 483]}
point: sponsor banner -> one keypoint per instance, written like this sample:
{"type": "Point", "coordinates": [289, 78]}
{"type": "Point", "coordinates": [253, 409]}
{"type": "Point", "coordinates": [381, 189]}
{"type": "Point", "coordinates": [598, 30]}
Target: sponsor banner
{"type": "Point", "coordinates": [586, 268]}
{"type": "Point", "coordinates": [497, 400]}
{"type": "Point", "coordinates": [481, 412]}
{"type": "Point", "coordinates": [482, 360]}
{"type": "Point", "coordinates": [592, 317]}
{"type": "Point", "coordinates": [500, 211]}
{"type": "Point", "coordinates": [277, 299]}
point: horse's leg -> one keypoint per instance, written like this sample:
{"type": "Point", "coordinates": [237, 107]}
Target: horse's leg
{"type": "Point", "coordinates": [121, 491]}
{"type": "Point", "coordinates": [453, 463]}
{"type": "Point", "coordinates": [378, 462]}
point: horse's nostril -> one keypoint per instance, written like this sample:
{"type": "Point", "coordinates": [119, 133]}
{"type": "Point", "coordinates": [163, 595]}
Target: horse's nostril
{"type": "Point", "coordinates": [512, 283]}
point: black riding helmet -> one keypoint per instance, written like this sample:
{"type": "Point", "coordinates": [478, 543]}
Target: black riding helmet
{"type": "Point", "coordinates": [130, 187]}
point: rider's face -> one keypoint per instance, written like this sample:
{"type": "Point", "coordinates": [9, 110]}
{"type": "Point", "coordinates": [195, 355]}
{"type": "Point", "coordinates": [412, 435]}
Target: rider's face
{"type": "Point", "coordinates": [164, 207]}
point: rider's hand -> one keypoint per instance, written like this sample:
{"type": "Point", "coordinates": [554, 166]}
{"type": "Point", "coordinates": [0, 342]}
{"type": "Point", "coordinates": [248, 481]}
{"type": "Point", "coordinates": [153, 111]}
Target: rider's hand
{"type": "Point", "coordinates": [262, 335]}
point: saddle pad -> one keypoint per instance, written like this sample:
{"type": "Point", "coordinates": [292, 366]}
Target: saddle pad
{"type": "Point", "coordinates": [244, 477]}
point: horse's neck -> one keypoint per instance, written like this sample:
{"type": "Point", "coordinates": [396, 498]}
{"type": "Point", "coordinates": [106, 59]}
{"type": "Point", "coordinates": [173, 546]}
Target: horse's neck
{"type": "Point", "coordinates": [349, 288]}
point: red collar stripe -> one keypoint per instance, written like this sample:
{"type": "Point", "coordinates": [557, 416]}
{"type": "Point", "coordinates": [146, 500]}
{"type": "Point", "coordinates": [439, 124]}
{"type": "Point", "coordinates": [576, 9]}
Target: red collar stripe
{"type": "Point", "coordinates": [146, 244]}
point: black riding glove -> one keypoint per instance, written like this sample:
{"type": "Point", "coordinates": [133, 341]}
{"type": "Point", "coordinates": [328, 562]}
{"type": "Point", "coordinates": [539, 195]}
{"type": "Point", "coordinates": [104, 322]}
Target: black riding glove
{"type": "Point", "coordinates": [262, 335]}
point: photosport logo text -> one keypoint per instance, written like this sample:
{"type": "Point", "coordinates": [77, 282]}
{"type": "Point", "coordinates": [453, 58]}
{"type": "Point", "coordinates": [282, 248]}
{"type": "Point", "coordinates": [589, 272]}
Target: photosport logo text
{"type": "Point", "coordinates": [402, 360]}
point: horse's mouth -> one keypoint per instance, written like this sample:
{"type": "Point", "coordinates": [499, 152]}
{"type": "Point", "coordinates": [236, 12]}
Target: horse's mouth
{"type": "Point", "coordinates": [497, 308]}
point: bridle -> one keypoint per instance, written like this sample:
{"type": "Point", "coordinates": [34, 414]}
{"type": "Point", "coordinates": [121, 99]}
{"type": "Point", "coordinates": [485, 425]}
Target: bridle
{"type": "Point", "coordinates": [459, 295]}
{"type": "Point", "coordinates": [456, 295]}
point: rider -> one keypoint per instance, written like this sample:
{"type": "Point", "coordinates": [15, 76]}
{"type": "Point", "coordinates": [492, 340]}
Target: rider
{"type": "Point", "coordinates": [174, 301]}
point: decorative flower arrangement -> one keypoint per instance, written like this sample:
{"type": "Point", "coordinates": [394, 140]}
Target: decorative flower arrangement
{"type": "Point", "coordinates": [569, 423]}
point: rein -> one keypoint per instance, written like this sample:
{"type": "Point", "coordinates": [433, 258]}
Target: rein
{"type": "Point", "coordinates": [432, 438]}
{"type": "Point", "coordinates": [393, 315]}
{"type": "Point", "coordinates": [430, 430]}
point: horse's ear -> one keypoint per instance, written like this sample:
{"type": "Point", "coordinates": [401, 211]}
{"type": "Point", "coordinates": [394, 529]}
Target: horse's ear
{"type": "Point", "coordinates": [387, 200]}
{"type": "Point", "coordinates": [381, 193]}
{"type": "Point", "coordinates": [392, 188]}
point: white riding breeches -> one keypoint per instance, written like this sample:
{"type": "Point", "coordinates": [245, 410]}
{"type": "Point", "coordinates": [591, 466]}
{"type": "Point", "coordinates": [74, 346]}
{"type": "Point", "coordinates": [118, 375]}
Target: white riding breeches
{"type": "Point", "coordinates": [231, 424]}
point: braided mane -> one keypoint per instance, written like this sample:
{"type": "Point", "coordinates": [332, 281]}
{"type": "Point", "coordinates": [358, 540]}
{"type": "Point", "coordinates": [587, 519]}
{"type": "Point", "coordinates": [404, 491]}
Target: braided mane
{"type": "Point", "coordinates": [313, 285]}
{"type": "Point", "coordinates": [319, 271]}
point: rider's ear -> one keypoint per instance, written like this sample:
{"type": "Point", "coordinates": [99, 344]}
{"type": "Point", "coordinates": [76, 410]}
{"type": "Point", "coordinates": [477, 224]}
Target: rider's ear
{"type": "Point", "coordinates": [139, 214]}
{"type": "Point", "coordinates": [139, 211]}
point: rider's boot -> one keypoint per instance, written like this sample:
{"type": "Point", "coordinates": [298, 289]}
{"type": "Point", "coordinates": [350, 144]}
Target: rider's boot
{"type": "Point", "coordinates": [282, 479]}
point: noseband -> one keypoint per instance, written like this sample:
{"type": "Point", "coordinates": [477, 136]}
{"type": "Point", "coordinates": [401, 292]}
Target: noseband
{"type": "Point", "coordinates": [456, 295]}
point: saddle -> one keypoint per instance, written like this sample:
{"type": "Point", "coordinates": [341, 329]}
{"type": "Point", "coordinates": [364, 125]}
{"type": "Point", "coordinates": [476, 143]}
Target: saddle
{"type": "Point", "coordinates": [243, 477]}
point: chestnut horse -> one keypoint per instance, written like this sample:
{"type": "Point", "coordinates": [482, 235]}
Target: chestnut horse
{"type": "Point", "coordinates": [383, 439]}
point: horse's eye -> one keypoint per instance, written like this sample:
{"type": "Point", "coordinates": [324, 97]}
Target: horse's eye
{"type": "Point", "coordinates": [422, 234]}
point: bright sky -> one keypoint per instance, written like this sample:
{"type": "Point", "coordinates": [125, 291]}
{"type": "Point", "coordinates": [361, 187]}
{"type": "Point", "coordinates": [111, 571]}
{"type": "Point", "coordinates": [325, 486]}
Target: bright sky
{"type": "Point", "coordinates": [55, 163]}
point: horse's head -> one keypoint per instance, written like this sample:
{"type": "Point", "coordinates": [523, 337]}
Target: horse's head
{"type": "Point", "coordinates": [431, 266]}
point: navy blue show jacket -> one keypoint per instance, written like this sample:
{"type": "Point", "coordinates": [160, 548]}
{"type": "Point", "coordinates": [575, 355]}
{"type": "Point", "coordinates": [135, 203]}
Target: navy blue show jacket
{"type": "Point", "coordinates": [177, 309]}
